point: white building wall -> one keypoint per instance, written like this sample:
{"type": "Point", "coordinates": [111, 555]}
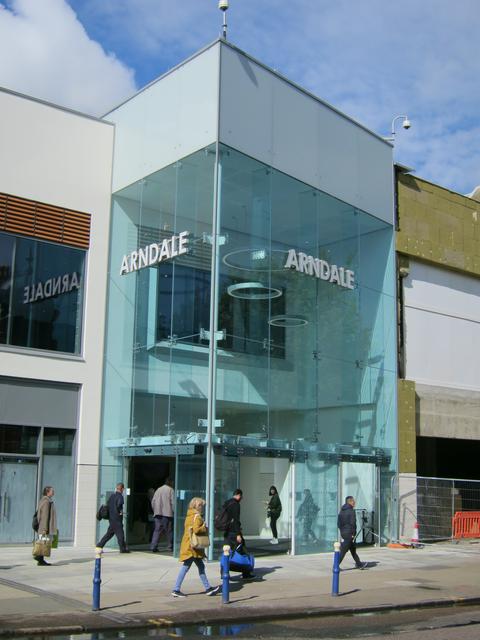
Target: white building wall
{"type": "Point", "coordinates": [63, 158]}
{"type": "Point", "coordinates": [442, 317]}
{"type": "Point", "coordinates": [171, 118]}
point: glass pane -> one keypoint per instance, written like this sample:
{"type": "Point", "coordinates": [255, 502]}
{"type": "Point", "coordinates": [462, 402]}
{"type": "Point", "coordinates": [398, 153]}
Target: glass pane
{"type": "Point", "coordinates": [7, 244]}
{"type": "Point", "coordinates": [18, 439]}
{"type": "Point", "coordinates": [189, 483]}
{"type": "Point", "coordinates": [59, 472]}
{"type": "Point", "coordinates": [18, 483]}
{"type": "Point", "coordinates": [47, 296]}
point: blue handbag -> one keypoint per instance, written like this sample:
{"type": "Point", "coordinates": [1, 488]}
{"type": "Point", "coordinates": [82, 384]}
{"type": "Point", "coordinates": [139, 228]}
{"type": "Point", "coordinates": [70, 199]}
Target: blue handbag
{"type": "Point", "coordinates": [241, 561]}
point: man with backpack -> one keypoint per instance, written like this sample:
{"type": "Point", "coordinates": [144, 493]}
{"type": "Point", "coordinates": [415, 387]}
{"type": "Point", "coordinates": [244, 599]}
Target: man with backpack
{"type": "Point", "coordinates": [232, 533]}
{"type": "Point", "coordinates": [115, 519]}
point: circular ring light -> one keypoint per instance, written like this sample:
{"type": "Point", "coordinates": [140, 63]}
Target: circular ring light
{"type": "Point", "coordinates": [253, 291]}
{"type": "Point", "coordinates": [288, 322]}
{"type": "Point", "coordinates": [261, 259]}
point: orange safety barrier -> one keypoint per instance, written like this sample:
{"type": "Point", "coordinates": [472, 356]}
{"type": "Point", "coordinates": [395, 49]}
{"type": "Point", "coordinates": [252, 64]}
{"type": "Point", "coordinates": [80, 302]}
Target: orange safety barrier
{"type": "Point", "coordinates": [466, 524]}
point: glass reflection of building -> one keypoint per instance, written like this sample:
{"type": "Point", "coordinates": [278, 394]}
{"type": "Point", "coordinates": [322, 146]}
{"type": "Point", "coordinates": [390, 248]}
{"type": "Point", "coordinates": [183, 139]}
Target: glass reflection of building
{"type": "Point", "coordinates": [224, 368]}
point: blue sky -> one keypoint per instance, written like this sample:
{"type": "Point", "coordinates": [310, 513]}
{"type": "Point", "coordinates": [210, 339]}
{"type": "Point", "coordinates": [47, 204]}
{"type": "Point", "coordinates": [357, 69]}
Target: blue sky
{"type": "Point", "coordinates": [372, 59]}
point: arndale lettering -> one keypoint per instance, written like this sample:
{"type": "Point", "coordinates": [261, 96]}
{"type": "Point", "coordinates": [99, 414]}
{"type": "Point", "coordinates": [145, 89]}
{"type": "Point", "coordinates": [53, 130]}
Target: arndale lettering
{"type": "Point", "coordinates": [51, 287]}
{"type": "Point", "coordinates": [320, 269]}
{"type": "Point", "coordinates": [155, 253]}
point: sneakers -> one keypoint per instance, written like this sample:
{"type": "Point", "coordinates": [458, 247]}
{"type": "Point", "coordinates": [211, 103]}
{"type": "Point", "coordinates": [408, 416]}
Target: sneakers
{"type": "Point", "coordinates": [43, 563]}
{"type": "Point", "coordinates": [178, 594]}
{"type": "Point", "coordinates": [212, 591]}
{"type": "Point", "coordinates": [124, 550]}
{"type": "Point", "coordinates": [154, 550]}
{"type": "Point", "coordinates": [274, 541]}
{"type": "Point", "coordinates": [362, 565]}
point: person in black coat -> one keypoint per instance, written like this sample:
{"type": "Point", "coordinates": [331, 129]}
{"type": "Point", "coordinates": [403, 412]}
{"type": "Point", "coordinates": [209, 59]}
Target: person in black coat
{"type": "Point", "coordinates": [233, 533]}
{"type": "Point", "coordinates": [274, 509]}
{"type": "Point", "coordinates": [347, 523]}
{"type": "Point", "coordinates": [115, 519]}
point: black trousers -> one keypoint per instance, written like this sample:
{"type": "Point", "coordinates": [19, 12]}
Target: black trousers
{"type": "Point", "coordinates": [273, 525]}
{"type": "Point", "coordinates": [349, 545]}
{"type": "Point", "coordinates": [115, 528]}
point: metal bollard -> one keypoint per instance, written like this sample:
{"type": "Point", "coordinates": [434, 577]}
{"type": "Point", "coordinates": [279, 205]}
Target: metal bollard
{"type": "Point", "coordinates": [225, 569]}
{"type": "Point", "coordinates": [97, 580]}
{"type": "Point", "coordinates": [336, 569]}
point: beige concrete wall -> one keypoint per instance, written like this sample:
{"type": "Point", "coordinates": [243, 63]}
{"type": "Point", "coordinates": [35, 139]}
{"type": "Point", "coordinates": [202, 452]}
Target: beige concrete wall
{"type": "Point", "coordinates": [407, 505]}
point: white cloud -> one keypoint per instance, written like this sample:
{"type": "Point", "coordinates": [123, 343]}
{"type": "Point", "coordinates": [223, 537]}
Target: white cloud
{"type": "Point", "coordinates": [46, 53]}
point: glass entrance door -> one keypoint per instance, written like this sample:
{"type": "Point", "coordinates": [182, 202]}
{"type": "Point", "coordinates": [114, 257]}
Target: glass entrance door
{"type": "Point", "coordinates": [18, 486]}
{"type": "Point", "coordinates": [359, 479]}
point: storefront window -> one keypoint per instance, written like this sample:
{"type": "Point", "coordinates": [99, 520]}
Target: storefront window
{"type": "Point", "coordinates": [6, 265]}
{"type": "Point", "coordinates": [41, 294]}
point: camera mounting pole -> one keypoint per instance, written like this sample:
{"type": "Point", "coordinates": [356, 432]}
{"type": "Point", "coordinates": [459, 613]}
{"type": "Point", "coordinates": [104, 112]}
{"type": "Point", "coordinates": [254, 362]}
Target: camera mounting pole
{"type": "Point", "coordinates": [223, 6]}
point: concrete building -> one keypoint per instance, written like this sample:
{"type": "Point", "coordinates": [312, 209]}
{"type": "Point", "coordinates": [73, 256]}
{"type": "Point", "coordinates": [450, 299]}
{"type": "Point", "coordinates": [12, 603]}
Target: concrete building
{"type": "Point", "coordinates": [55, 190]}
{"type": "Point", "coordinates": [438, 254]}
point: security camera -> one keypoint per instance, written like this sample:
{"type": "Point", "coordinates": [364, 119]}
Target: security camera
{"type": "Point", "coordinates": [223, 5]}
{"type": "Point", "coordinates": [406, 124]}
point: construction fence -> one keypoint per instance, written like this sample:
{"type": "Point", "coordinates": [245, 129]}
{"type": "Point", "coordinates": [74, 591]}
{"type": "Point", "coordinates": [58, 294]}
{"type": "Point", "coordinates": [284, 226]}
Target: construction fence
{"type": "Point", "coordinates": [447, 508]}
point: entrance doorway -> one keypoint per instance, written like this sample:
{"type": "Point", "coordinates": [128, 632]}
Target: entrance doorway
{"type": "Point", "coordinates": [145, 475]}
{"type": "Point", "coordinates": [359, 479]}
{"type": "Point", "coordinates": [18, 488]}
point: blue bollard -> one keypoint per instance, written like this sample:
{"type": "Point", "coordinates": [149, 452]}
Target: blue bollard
{"type": "Point", "coordinates": [336, 569]}
{"type": "Point", "coordinates": [225, 570]}
{"type": "Point", "coordinates": [97, 580]}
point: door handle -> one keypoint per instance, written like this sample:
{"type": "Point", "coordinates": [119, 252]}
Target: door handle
{"type": "Point", "coordinates": [4, 511]}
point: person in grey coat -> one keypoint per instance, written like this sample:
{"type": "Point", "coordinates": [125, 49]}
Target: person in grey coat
{"type": "Point", "coordinates": [47, 520]}
{"type": "Point", "coordinates": [163, 506]}
{"type": "Point", "coordinates": [347, 523]}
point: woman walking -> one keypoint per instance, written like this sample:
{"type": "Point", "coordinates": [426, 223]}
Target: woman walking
{"type": "Point", "coordinates": [47, 520]}
{"type": "Point", "coordinates": [274, 509]}
{"type": "Point", "coordinates": [194, 523]}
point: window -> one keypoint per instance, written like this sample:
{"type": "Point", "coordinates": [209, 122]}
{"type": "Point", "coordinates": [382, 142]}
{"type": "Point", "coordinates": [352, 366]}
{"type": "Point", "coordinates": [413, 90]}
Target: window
{"type": "Point", "coordinates": [41, 294]}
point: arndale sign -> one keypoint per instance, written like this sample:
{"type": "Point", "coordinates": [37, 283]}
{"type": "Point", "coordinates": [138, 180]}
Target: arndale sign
{"type": "Point", "coordinates": [155, 253]}
{"type": "Point", "coordinates": [320, 269]}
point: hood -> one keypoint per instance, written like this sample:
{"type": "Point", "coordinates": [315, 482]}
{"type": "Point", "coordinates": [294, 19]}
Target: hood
{"type": "Point", "coordinates": [346, 506]}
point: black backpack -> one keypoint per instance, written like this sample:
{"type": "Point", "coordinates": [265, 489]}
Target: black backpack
{"type": "Point", "coordinates": [222, 518]}
{"type": "Point", "coordinates": [102, 513]}
{"type": "Point", "coordinates": [35, 522]}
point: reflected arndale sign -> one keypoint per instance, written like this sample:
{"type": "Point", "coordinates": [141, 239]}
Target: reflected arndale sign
{"type": "Point", "coordinates": [320, 269]}
{"type": "Point", "coordinates": [155, 253]}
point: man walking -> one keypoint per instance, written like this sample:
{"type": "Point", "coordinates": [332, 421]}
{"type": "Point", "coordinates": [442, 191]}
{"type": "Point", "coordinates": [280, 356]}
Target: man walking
{"type": "Point", "coordinates": [233, 533]}
{"type": "Point", "coordinates": [115, 519]}
{"type": "Point", "coordinates": [162, 505]}
{"type": "Point", "coordinates": [347, 523]}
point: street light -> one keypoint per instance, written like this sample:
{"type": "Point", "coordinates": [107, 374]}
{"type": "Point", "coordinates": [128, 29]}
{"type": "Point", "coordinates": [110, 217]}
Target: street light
{"type": "Point", "coordinates": [406, 124]}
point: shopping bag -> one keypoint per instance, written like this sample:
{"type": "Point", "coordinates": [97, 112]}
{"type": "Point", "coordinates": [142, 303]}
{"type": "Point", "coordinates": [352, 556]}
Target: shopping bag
{"type": "Point", "coordinates": [42, 547]}
{"type": "Point", "coordinates": [55, 540]}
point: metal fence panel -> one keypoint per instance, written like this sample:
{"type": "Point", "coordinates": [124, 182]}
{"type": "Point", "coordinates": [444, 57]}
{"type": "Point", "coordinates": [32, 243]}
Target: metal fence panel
{"type": "Point", "coordinates": [438, 499]}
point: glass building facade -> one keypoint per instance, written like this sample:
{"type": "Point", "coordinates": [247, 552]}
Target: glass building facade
{"type": "Point", "coordinates": [263, 354]}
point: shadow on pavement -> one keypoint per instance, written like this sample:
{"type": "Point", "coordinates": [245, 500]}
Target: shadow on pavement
{"type": "Point", "coordinates": [118, 606]}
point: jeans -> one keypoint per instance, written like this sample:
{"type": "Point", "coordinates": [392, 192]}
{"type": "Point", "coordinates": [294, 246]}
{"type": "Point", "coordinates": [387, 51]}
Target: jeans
{"type": "Point", "coordinates": [186, 567]}
{"type": "Point", "coordinates": [163, 524]}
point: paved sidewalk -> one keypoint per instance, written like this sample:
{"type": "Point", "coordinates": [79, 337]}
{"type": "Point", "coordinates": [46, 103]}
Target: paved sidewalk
{"type": "Point", "coordinates": [136, 588]}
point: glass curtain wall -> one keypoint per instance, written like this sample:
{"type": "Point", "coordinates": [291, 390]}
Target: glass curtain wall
{"type": "Point", "coordinates": [306, 372]}
{"type": "Point", "coordinates": [156, 371]}
{"type": "Point", "coordinates": [304, 359]}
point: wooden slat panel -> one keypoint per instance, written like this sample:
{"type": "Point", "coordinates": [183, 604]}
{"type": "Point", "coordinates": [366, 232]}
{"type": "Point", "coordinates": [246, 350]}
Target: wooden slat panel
{"type": "Point", "coordinates": [45, 221]}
